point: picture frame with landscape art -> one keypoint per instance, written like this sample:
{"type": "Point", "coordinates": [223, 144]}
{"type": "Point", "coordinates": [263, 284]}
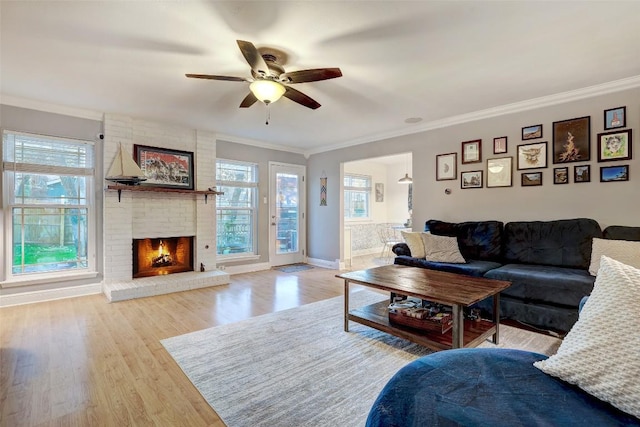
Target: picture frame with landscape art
{"type": "Point", "coordinates": [561, 175]}
{"type": "Point", "coordinates": [165, 168]}
{"type": "Point", "coordinates": [446, 166]}
{"type": "Point", "coordinates": [531, 179]}
{"type": "Point", "coordinates": [471, 179]}
{"type": "Point", "coordinates": [572, 140]}
{"type": "Point", "coordinates": [532, 156]}
{"type": "Point", "coordinates": [582, 173]}
{"type": "Point", "coordinates": [472, 151]}
{"type": "Point", "coordinates": [500, 172]}
{"type": "Point", "coordinates": [531, 132]}
{"type": "Point", "coordinates": [614, 173]}
{"type": "Point", "coordinates": [615, 118]}
{"type": "Point", "coordinates": [614, 145]}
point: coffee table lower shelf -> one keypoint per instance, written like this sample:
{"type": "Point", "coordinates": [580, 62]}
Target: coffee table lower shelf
{"type": "Point", "coordinates": [377, 316]}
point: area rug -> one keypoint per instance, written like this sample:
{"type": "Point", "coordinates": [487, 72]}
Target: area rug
{"type": "Point", "coordinates": [293, 268]}
{"type": "Point", "coordinates": [299, 368]}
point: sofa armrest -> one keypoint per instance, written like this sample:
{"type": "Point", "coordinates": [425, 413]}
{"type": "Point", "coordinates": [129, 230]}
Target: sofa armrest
{"type": "Point", "coordinates": [401, 249]}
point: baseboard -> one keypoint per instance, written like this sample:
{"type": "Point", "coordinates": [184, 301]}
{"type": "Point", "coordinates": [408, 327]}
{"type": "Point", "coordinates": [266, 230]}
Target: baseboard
{"type": "Point", "coordinates": [50, 295]}
{"type": "Point", "coordinates": [245, 268]}
{"type": "Point", "coordinates": [332, 265]}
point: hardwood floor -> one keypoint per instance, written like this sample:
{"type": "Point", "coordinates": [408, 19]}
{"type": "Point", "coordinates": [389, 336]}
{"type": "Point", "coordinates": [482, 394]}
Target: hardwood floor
{"type": "Point", "coordinates": [83, 361]}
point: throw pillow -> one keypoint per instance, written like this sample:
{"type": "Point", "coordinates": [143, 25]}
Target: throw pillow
{"type": "Point", "coordinates": [600, 353]}
{"type": "Point", "coordinates": [414, 241]}
{"type": "Point", "coordinates": [624, 251]}
{"type": "Point", "coordinates": [442, 249]}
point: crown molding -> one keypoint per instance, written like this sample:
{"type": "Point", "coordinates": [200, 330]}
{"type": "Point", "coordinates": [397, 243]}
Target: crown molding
{"type": "Point", "coordinates": [31, 104]}
{"type": "Point", "coordinates": [516, 107]}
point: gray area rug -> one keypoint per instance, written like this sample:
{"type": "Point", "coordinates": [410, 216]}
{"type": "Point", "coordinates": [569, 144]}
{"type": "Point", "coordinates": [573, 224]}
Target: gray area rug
{"type": "Point", "coordinates": [299, 368]}
{"type": "Point", "coordinates": [293, 268]}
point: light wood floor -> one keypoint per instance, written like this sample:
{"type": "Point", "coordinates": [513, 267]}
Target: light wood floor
{"type": "Point", "coordinates": [86, 362]}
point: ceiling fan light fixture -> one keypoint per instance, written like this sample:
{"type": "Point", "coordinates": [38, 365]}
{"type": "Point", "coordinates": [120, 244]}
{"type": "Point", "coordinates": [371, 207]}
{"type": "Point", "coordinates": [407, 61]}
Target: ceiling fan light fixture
{"type": "Point", "coordinates": [267, 91]}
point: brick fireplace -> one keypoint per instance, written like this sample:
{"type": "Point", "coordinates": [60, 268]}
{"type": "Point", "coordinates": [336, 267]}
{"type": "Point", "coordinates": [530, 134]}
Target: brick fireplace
{"type": "Point", "coordinates": [133, 216]}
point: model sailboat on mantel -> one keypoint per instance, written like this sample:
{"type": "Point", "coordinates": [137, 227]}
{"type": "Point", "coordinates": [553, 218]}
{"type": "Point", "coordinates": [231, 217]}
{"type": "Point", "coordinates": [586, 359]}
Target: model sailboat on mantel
{"type": "Point", "coordinates": [124, 170]}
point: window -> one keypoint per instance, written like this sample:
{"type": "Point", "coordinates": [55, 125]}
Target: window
{"type": "Point", "coordinates": [236, 210]}
{"type": "Point", "coordinates": [47, 188]}
{"type": "Point", "coordinates": [357, 193]}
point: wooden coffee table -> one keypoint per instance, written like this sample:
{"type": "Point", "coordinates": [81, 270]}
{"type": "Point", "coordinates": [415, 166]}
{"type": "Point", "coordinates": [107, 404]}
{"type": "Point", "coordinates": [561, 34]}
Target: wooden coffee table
{"type": "Point", "coordinates": [456, 290]}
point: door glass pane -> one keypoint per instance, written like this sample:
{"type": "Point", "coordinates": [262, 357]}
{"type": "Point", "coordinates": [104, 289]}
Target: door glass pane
{"type": "Point", "coordinates": [287, 213]}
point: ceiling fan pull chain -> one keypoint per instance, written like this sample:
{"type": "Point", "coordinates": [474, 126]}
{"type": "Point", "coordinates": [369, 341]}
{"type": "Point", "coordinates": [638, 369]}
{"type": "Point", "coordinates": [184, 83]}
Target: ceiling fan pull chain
{"type": "Point", "coordinates": [268, 115]}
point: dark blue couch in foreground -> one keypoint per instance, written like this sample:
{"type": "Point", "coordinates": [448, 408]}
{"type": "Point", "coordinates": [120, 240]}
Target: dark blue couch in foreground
{"type": "Point", "coordinates": [487, 387]}
{"type": "Point", "coordinates": [547, 263]}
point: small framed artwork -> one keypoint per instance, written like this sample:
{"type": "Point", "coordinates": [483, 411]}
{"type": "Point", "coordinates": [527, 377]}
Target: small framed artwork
{"type": "Point", "coordinates": [165, 168]}
{"type": "Point", "coordinates": [471, 179]}
{"type": "Point", "coordinates": [379, 192]}
{"type": "Point", "coordinates": [531, 179]}
{"type": "Point", "coordinates": [471, 151]}
{"type": "Point", "coordinates": [500, 145]}
{"type": "Point", "coordinates": [561, 175]}
{"type": "Point", "coordinates": [614, 173]}
{"type": "Point", "coordinates": [532, 132]}
{"type": "Point", "coordinates": [532, 156]}
{"type": "Point", "coordinates": [446, 166]}
{"type": "Point", "coordinates": [615, 118]}
{"type": "Point", "coordinates": [572, 140]}
{"type": "Point", "coordinates": [614, 145]}
{"type": "Point", "coordinates": [499, 172]}
{"type": "Point", "coordinates": [582, 173]}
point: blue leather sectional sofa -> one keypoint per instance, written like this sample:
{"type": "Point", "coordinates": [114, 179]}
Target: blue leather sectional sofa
{"type": "Point", "coordinates": [547, 263]}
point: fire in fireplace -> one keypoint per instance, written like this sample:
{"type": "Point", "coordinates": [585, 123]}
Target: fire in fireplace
{"type": "Point", "coordinates": [159, 256]}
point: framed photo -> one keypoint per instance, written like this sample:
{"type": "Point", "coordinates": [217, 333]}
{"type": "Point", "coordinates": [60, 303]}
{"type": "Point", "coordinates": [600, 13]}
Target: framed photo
{"type": "Point", "coordinates": [499, 172]}
{"type": "Point", "coordinates": [561, 175]}
{"type": "Point", "coordinates": [614, 145]}
{"type": "Point", "coordinates": [471, 179]}
{"type": "Point", "coordinates": [615, 118]}
{"type": "Point", "coordinates": [530, 179]}
{"type": "Point", "coordinates": [582, 173]}
{"type": "Point", "coordinates": [500, 145]}
{"type": "Point", "coordinates": [614, 173]}
{"type": "Point", "coordinates": [165, 168]}
{"type": "Point", "coordinates": [532, 132]}
{"type": "Point", "coordinates": [571, 140]}
{"type": "Point", "coordinates": [532, 156]}
{"type": "Point", "coordinates": [471, 151]}
{"type": "Point", "coordinates": [379, 192]}
{"type": "Point", "coordinates": [446, 166]}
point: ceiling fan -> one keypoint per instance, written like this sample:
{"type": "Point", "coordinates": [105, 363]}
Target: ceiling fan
{"type": "Point", "coordinates": [270, 81]}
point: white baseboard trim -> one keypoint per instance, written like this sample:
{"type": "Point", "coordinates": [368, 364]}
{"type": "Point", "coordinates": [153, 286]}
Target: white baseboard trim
{"type": "Point", "coordinates": [50, 295]}
{"type": "Point", "coordinates": [332, 265]}
{"type": "Point", "coordinates": [246, 268]}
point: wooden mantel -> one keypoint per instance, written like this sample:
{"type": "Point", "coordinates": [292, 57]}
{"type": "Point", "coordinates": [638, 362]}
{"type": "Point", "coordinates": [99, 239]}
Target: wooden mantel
{"type": "Point", "coordinates": [121, 188]}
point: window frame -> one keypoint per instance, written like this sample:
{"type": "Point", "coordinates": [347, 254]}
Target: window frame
{"type": "Point", "coordinates": [353, 189]}
{"type": "Point", "coordinates": [8, 172]}
{"type": "Point", "coordinates": [253, 208]}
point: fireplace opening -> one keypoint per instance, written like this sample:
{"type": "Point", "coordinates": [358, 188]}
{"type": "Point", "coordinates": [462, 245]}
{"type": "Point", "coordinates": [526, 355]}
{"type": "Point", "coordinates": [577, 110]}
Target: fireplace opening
{"type": "Point", "coordinates": [167, 255]}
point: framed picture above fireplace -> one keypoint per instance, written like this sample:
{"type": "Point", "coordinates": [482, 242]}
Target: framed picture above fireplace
{"type": "Point", "coordinates": [165, 168]}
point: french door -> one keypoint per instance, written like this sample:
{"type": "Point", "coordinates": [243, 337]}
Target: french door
{"type": "Point", "coordinates": [287, 233]}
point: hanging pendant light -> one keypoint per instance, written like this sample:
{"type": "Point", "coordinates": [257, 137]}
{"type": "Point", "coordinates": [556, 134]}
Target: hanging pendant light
{"type": "Point", "coordinates": [406, 179]}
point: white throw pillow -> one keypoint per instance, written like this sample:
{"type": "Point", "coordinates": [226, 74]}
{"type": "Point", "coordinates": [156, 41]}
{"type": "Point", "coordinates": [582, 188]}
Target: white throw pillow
{"type": "Point", "coordinates": [601, 353]}
{"type": "Point", "coordinates": [621, 250]}
{"type": "Point", "coordinates": [442, 249]}
{"type": "Point", "coordinates": [414, 241]}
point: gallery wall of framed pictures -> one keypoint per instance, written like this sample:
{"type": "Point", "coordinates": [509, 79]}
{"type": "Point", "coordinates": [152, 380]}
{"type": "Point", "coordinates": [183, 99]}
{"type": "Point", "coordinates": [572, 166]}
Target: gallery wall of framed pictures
{"type": "Point", "coordinates": [569, 150]}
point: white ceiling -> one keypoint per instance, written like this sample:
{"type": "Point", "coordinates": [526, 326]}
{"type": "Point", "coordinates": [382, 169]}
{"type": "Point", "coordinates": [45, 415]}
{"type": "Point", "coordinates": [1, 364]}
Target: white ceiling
{"type": "Point", "coordinates": [431, 59]}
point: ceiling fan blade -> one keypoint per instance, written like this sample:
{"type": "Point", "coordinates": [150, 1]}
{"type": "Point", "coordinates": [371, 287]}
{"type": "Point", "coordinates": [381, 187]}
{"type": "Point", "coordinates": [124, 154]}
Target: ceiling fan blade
{"type": "Point", "coordinates": [248, 100]}
{"type": "Point", "coordinates": [313, 75]}
{"type": "Point", "coordinates": [301, 98]}
{"type": "Point", "coordinates": [212, 77]}
{"type": "Point", "coordinates": [253, 57]}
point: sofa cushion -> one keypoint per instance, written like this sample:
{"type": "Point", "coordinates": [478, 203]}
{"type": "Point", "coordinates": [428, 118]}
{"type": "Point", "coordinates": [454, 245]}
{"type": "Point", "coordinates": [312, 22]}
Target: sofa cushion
{"type": "Point", "coordinates": [544, 283]}
{"type": "Point", "coordinates": [481, 240]}
{"type": "Point", "coordinates": [621, 232]}
{"type": "Point", "coordinates": [441, 249]}
{"type": "Point", "coordinates": [415, 243]}
{"type": "Point", "coordinates": [624, 251]}
{"type": "Point", "coordinates": [600, 357]}
{"type": "Point", "coordinates": [565, 242]}
{"type": "Point", "coordinates": [475, 268]}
